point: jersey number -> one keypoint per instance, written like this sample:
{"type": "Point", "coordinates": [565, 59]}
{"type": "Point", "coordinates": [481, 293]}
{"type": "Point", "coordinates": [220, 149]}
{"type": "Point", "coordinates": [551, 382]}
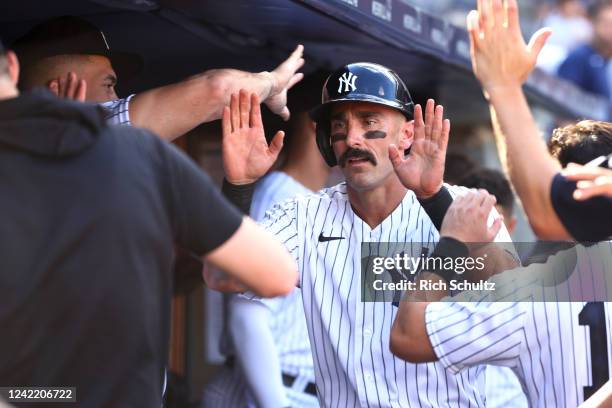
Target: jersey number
{"type": "Point", "coordinates": [593, 315]}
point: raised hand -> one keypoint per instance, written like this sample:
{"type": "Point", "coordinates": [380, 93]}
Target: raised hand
{"type": "Point", "coordinates": [284, 77]}
{"type": "Point", "coordinates": [422, 171]}
{"type": "Point", "coordinates": [246, 154]}
{"type": "Point", "coordinates": [69, 87]}
{"type": "Point", "coordinates": [592, 181]}
{"type": "Point", "coordinates": [466, 219]}
{"type": "Point", "coordinates": [499, 54]}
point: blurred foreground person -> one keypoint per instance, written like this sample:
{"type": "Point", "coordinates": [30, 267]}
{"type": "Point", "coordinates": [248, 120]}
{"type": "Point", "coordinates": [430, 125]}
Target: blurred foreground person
{"type": "Point", "coordinates": [87, 246]}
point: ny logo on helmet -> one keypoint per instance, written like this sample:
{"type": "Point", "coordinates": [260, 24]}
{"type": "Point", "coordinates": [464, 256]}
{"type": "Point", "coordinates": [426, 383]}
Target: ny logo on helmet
{"type": "Point", "coordinates": [348, 80]}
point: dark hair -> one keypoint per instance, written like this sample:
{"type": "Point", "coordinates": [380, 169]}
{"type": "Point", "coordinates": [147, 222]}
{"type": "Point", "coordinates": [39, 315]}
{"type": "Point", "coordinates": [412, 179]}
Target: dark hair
{"type": "Point", "coordinates": [596, 6]}
{"type": "Point", "coordinates": [495, 183]}
{"type": "Point", "coordinates": [581, 142]}
{"type": "Point", "coordinates": [457, 166]}
{"type": "Point", "coordinates": [306, 94]}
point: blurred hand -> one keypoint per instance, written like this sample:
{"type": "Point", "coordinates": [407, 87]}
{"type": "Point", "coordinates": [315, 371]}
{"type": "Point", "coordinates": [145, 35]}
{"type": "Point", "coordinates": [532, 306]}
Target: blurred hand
{"type": "Point", "coordinates": [69, 87]}
{"type": "Point", "coordinates": [592, 181]}
{"type": "Point", "coordinates": [284, 77]}
{"type": "Point", "coordinates": [423, 170]}
{"type": "Point", "coordinates": [466, 218]}
{"type": "Point", "coordinates": [245, 151]}
{"type": "Point", "coordinates": [500, 57]}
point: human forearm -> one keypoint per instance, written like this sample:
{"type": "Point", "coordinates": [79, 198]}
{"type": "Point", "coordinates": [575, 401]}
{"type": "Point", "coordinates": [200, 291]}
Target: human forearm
{"type": "Point", "coordinates": [257, 260]}
{"type": "Point", "coordinates": [409, 339]}
{"type": "Point", "coordinates": [172, 110]}
{"type": "Point", "coordinates": [530, 168]}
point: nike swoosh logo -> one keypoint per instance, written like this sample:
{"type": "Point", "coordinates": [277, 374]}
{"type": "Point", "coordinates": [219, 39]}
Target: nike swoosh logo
{"type": "Point", "coordinates": [326, 239]}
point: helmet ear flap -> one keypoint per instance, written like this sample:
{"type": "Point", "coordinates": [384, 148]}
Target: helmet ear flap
{"type": "Point", "coordinates": [324, 144]}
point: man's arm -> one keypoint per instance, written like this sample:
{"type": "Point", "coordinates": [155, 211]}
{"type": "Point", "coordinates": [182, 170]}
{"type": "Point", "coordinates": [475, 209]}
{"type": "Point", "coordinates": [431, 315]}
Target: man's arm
{"type": "Point", "coordinates": [172, 110]}
{"type": "Point", "coordinates": [502, 62]}
{"type": "Point", "coordinates": [466, 221]}
{"type": "Point", "coordinates": [256, 259]}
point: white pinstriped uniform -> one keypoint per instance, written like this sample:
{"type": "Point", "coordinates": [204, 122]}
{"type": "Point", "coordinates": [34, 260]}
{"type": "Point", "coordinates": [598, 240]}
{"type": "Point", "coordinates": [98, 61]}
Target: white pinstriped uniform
{"type": "Point", "coordinates": [550, 346]}
{"type": "Point", "coordinates": [350, 338]}
{"type": "Point", "coordinates": [287, 321]}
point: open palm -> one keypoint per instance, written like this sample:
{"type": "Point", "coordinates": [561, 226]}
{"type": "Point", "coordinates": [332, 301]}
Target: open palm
{"type": "Point", "coordinates": [246, 153]}
{"type": "Point", "coordinates": [422, 171]}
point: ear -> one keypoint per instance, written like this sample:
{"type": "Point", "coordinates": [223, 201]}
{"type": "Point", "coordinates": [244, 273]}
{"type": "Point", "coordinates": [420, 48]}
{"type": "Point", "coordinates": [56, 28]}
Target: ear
{"type": "Point", "coordinates": [13, 66]}
{"type": "Point", "coordinates": [406, 135]}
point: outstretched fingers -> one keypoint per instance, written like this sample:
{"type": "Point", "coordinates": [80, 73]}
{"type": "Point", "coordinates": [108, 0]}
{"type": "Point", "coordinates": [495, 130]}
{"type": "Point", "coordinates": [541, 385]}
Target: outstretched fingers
{"type": "Point", "coordinates": [436, 132]}
{"type": "Point", "coordinates": [395, 156]}
{"type": "Point", "coordinates": [429, 117]}
{"type": "Point", "coordinates": [255, 116]}
{"type": "Point", "coordinates": [234, 112]}
{"type": "Point", "coordinates": [226, 122]}
{"type": "Point", "coordinates": [245, 108]}
{"type": "Point", "coordinates": [277, 144]}
{"type": "Point", "coordinates": [537, 41]}
{"type": "Point", "coordinates": [419, 124]}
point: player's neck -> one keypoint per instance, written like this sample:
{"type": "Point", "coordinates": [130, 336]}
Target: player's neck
{"type": "Point", "coordinates": [373, 206]}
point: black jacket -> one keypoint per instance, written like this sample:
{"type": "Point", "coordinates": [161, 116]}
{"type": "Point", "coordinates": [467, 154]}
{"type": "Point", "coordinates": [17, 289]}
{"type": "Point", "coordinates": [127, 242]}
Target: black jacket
{"type": "Point", "coordinates": [89, 214]}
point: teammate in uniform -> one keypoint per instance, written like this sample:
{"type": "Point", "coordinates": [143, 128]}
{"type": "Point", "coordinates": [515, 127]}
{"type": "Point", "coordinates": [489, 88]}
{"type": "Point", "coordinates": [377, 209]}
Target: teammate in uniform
{"type": "Point", "coordinates": [364, 124]}
{"type": "Point", "coordinates": [72, 57]}
{"type": "Point", "coordinates": [560, 351]}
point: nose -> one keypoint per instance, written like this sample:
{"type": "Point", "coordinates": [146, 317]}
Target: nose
{"type": "Point", "coordinates": [354, 136]}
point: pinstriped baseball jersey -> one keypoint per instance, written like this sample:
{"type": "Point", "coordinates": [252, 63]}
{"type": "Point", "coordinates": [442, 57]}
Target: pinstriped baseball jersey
{"type": "Point", "coordinates": [349, 337]}
{"type": "Point", "coordinates": [285, 322]}
{"type": "Point", "coordinates": [118, 111]}
{"type": "Point", "coordinates": [288, 322]}
{"type": "Point", "coordinates": [559, 350]}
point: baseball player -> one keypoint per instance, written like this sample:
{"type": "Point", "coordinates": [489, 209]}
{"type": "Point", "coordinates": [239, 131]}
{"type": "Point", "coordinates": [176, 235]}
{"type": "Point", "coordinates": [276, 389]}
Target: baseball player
{"type": "Point", "coordinates": [363, 123]}
{"type": "Point", "coordinates": [560, 351]}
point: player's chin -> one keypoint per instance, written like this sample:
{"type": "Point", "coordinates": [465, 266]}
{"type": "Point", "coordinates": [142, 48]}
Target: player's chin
{"type": "Point", "coordinates": [359, 180]}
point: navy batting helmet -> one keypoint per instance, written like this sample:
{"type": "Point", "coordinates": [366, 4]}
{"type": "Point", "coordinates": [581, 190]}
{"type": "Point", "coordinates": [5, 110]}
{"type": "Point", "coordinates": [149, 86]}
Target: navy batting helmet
{"type": "Point", "coordinates": [363, 82]}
